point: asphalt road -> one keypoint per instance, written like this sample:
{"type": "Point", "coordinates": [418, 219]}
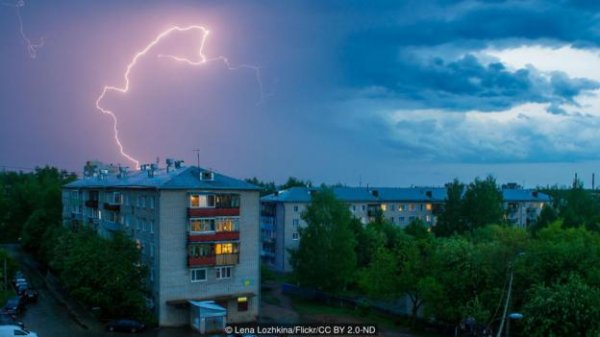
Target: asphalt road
{"type": "Point", "coordinates": [49, 318]}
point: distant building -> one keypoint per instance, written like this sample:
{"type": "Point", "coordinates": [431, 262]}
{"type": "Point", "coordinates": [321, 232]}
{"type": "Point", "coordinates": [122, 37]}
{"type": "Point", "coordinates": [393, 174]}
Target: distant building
{"type": "Point", "coordinates": [281, 212]}
{"type": "Point", "coordinates": [197, 231]}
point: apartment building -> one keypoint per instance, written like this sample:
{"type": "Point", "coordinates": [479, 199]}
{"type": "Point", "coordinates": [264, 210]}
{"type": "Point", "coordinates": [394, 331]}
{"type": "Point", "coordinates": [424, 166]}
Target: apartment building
{"type": "Point", "coordinates": [197, 230]}
{"type": "Point", "coordinates": [281, 212]}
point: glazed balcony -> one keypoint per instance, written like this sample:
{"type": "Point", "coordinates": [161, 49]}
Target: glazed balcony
{"type": "Point", "coordinates": [213, 236]}
{"type": "Point", "coordinates": [214, 260]}
{"type": "Point", "coordinates": [212, 212]}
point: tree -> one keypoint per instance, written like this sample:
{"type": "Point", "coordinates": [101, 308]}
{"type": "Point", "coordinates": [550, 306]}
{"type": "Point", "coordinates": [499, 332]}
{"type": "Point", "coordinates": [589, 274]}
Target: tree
{"type": "Point", "coordinates": [325, 257]}
{"type": "Point", "coordinates": [563, 309]}
{"type": "Point", "coordinates": [580, 208]}
{"type": "Point", "coordinates": [450, 220]}
{"type": "Point", "coordinates": [482, 204]}
{"type": "Point", "coordinates": [547, 216]}
{"type": "Point", "coordinates": [295, 182]}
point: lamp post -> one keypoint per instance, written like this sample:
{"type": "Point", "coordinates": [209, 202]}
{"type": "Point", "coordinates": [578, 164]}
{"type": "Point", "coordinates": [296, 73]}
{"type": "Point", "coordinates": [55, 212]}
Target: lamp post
{"type": "Point", "coordinates": [510, 280]}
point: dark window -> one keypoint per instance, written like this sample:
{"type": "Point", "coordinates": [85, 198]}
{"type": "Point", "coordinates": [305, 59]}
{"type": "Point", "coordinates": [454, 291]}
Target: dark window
{"type": "Point", "coordinates": [242, 303]}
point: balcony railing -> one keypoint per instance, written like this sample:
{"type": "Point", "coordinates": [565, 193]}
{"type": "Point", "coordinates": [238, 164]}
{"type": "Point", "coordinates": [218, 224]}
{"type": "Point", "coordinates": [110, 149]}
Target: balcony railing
{"type": "Point", "coordinates": [212, 212]}
{"type": "Point", "coordinates": [214, 260]}
{"type": "Point", "coordinates": [91, 204]}
{"type": "Point", "coordinates": [213, 236]}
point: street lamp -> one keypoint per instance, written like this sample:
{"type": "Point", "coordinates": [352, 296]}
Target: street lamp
{"type": "Point", "coordinates": [515, 316]}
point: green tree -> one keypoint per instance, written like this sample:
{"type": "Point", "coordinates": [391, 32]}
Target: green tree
{"type": "Point", "coordinates": [547, 216]}
{"type": "Point", "coordinates": [580, 208]}
{"type": "Point", "coordinates": [563, 309]}
{"type": "Point", "coordinates": [325, 257]}
{"type": "Point", "coordinates": [451, 221]}
{"type": "Point", "coordinates": [482, 204]}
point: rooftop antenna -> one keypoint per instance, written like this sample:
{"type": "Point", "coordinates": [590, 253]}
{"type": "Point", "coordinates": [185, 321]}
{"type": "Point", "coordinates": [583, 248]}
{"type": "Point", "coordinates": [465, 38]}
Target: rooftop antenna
{"type": "Point", "coordinates": [198, 156]}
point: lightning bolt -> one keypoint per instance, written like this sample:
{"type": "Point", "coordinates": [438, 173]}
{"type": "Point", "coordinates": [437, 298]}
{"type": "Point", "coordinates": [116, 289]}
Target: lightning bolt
{"type": "Point", "coordinates": [199, 61]}
{"type": "Point", "coordinates": [32, 47]}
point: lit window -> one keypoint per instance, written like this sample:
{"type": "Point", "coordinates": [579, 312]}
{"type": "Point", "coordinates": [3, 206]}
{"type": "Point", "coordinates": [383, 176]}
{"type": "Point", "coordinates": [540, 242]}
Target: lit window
{"type": "Point", "coordinates": [384, 207]}
{"type": "Point", "coordinates": [428, 207]}
{"type": "Point", "coordinates": [411, 207]}
{"type": "Point", "coordinates": [225, 224]}
{"type": "Point", "coordinates": [401, 208]}
{"type": "Point", "coordinates": [223, 272]}
{"type": "Point", "coordinates": [202, 201]}
{"type": "Point", "coordinates": [223, 248]}
{"type": "Point", "coordinates": [202, 225]}
{"type": "Point", "coordinates": [198, 275]}
{"type": "Point", "coordinates": [242, 303]}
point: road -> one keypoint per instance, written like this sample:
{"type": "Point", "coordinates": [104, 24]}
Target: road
{"type": "Point", "coordinates": [50, 318]}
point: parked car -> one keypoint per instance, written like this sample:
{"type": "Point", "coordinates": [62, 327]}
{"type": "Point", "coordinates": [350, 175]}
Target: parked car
{"type": "Point", "coordinates": [21, 288]}
{"type": "Point", "coordinates": [15, 330]}
{"type": "Point", "coordinates": [14, 306]}
{"type": "Point", "coordinates": [6, 319]}
{"type": "Point", "coordinates": [125, 325]}
{"type": "Point", "coordinates": [31, 295]}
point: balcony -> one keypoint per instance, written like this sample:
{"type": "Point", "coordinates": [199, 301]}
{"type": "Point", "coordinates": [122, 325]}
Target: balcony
{"type": "Point", "coordinates": [201, 261]}
{"type": "Point", "coordinates": [112, 207]}
{"type": "Point", "coordinates": [213, 236]}
{"type": "Point", "coordinates": [91, 204]}
{"type": "Point", "coordinates": [212, 212]}
{"type": "Point", "coordinates": [214, 260]}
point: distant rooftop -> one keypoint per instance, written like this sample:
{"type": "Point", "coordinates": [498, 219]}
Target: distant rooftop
{"type": "Point", "coordinates": [172, 178]}
{"type": "Point", "coordinates": [393, 194]}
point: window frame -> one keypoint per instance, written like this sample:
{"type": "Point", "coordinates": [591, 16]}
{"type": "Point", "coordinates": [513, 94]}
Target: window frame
{"type": "Point", "coordinates": [193, 275]}
{"type": "Point", "coordinates": [219, 272]}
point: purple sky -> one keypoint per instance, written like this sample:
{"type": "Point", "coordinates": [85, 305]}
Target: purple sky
{"type": "Point", "coordinates": [374, 92]}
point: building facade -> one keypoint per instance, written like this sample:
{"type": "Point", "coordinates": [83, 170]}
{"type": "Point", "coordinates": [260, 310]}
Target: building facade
{"type": "Point", "coordinates": [197, 230]}
{"type": "Point", "coordinates": [281, 212]}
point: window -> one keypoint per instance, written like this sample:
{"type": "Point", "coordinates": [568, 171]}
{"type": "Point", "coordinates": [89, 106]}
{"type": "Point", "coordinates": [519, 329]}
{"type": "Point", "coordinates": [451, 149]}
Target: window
{"type": "Point", "coordinates": [296, 209]}
{"type": "Point", "coordinates": [223, 272]}
{"type": "Point", "coordinates": [139, 201]}
{"type": "Point", "coordinates": [198, 275]}
{"type": "Point", "coordinates": [200, 250]}
{"type": "Point", "coordinates": [353, 208]}
{"type": "Point", "coordinates": [151, 226]}
{"type": "Point", "coordinates": [411, 207]}
{"type": "Point", "coordinates": [428, 207]}
{"type": "Point", "coordinates": [401, 208]}
{"type": "Point", "coordinates": [401, 219]}
{"type": "Point", "coordinates": [363, 207]}
{"type": "Point", "coordinates": [151, 202]}
{"type": "Point", "coordinates": [143, 201]}
{"type": "Point", "coordinates": [384, 207]}
{"type": "Point", "coordinates": [226, 224]}
{"type": "Point", "coordinates": [296, 222]}
{"type": "Point", "coordinates": [242, 303]}
{"type": "Point", "coordinates": [295, 236]}
{"type": "Point", "coordinates": [138, 224]}
{"type": "Point", "coordinates": [151, 274]}
{"type": "Point", "coordinates": [392, 219]}
{"type": "Point", "coordinates": [224, 248]}
{"type": "Point", "coordinates": [117, 198]}
{"type": "Point", "coordinates": [202, 225]}
{"type": "Point", "coordinates": [202, 201]}
{"type": "Point", "coordinates": [421, 206]}
{"type": "Point", "coordinates": [151, 250]}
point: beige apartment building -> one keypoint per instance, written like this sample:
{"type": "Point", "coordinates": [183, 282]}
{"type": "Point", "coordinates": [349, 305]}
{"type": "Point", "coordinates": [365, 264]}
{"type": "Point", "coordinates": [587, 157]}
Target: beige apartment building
{"type": "Point", "coordinates": [198, 232]}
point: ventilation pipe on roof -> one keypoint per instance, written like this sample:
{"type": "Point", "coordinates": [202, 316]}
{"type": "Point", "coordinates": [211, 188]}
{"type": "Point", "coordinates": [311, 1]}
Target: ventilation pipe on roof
{"type": "Point", "coordinates": [152, 170]}
{"type": "Point", "coordinates": [178, 164]}
{"type": "Point", "coordinates": [207, 175]}
{"type": "Point", "coordinates": [170, 164]}
{"type": "Point", "coordinates": [123, 170]}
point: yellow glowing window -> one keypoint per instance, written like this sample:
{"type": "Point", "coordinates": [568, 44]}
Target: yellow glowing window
{"type": "Point", "coordinates": [225, 225]}
{"type": "Point", "coordinates": [384, 207]}
{"type": "Point", "coordinates": [428, 207]}
{"type": "Point", "coordinates": [223, 248]}
{"type": "Point", "coordinates": [242, 299]}
{"type": "Point", "coordinates": [202, 225]}
{"type": "Point", "coordinates": [194, 200]}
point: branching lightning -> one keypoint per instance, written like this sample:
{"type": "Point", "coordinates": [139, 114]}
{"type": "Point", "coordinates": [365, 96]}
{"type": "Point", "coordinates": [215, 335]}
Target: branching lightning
{"type": "Point", "coordinates": [32, 47]}
{"type": "Point", "coordinates": [201, 60]}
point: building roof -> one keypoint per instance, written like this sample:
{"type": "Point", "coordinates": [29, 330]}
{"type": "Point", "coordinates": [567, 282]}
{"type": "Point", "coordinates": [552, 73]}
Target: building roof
{"type": "Point", "coordinates": [174, 179]}
{"type": "Point", "coordinates": [393, 194]}
{"type": "Point", "coordinates": [362, 194]}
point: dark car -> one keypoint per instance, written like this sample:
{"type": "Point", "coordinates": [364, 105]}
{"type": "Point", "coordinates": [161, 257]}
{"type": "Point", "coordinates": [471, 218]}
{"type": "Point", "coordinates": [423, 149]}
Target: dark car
{"type": "Point", "coordinates": [7, 319]}
{"type": "Point", "coordinates": [125, 325]}
{"type": "Point", "coordinates": [14, 306]}
{"type": "Point", "coordinates": [31, 295]}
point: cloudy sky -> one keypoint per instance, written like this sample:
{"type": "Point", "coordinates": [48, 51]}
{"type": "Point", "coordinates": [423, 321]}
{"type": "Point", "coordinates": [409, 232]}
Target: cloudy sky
{"type": "Point", "coordinates": [374, 92]}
